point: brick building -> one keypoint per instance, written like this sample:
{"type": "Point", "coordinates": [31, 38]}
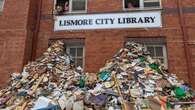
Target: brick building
{"type": "Point", "coordinates": [91, 35]}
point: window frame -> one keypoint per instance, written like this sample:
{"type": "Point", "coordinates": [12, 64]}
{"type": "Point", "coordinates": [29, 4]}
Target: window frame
{"type": "Point", "coordinates": [141, 7]}
{"type": "Point", "coordinates": [164, 50]}
{"type": "Point", "coordinates": [77, 46]}
{"type": "Point", "coordinates": [153, 42]}
{"type": "Point", "coordinates": [2, 6]}
{"type": "Point", "coordinates": [70, 7]}
{"type": "Point", "coordinates": [70, 10]}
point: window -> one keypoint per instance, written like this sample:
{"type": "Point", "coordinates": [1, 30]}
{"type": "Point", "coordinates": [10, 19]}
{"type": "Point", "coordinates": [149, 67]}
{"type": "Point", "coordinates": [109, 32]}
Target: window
{"type": "Point", "coordinates": [156, 47]}
{"type": "Point", "coordinates": [152, 3]}
{"type": "Point", "coordinates": [78, 5]}
{"type": "Point", "coordinates": [70, 6]}
{"type": "Point", "coordinates": [1, 5]}
{"type": "Point", "coordinates": [136, 4]}
{"type": "Point", "coordinates": [132, 4]}
{"type": "Point", "coordinates": [157, 52]}
{"type": "Point", "coordinates": [75, 48]}
{"type": "Point", "coordinates": [77, 54]}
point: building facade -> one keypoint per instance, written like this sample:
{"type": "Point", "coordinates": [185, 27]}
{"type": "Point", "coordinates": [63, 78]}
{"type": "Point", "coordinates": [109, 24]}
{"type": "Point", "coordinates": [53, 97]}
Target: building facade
{"type": "Point", "coordinates": [94, 30]}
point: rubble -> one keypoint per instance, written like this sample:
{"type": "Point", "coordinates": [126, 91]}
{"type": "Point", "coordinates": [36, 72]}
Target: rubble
{"type": "Point", "coordinates": [131, 80]}
{"type": "Point", "coordinates": [43, 83]}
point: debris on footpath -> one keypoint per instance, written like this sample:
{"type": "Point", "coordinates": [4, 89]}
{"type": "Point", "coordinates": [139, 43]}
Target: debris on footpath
{"type": "Point", "coordinates": [131, 80]}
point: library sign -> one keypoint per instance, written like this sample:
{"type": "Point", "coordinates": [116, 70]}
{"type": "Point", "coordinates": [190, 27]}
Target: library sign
{"type": "Point", "coordinates": [108, 21]}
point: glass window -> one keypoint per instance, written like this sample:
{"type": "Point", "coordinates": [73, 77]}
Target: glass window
{"type": "Point", "coordinates": [157, 51]}
{"type": "Point", "coordinates": [132, 4]}
{"type": "Point", "coordinates": [151, 50]}
{"type": "Point", "coordinates": [78, 5]}
{"type": "Point", "coordinates": [77, 54]}
{"type": "Point", "coordinates": [156, 47]}
{"type": "Point", "coordinates": [72, 51]}
{"type": "Point", "coordinates": [61, 7]}
{"type": "Point", "coordinates": [69, 6]}
{"type": "Point", "coordinates": [1, 5]}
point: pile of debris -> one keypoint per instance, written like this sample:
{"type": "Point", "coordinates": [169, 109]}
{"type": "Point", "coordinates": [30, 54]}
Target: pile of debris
{"type": "Point", "coordinates": [43, 84]}
{"type": "Point", "coordinates": [138, 81]}
{"type": "Point", "coordinates": [130, 80]}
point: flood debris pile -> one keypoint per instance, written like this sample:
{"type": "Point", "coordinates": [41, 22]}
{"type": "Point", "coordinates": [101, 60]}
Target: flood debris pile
{"type": "Point", "coordinates": [131, 80]}
{"type": "Point", "coordinates": [43, 84]}
{"type": "Point", "coordinates": [141, 82]}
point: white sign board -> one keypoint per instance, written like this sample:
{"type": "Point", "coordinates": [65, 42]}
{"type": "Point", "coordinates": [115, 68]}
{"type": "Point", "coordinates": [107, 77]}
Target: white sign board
{"type": "Point", "coordinates": [108, 21]}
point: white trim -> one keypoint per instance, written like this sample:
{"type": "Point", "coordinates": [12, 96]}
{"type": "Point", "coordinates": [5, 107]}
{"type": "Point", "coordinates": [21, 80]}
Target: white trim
{"type": "Point", "coordinates": [123, 5]}
{"type": "Point", "coordinates": [160, 3]}
{"type": "Point", "coordinates": [54, 5]}
{"type": "Point", "coordinates": [165, 56]}
{"type": "Point", "coordinates": [141, 4]}
{"type": "Point", "coordinates": [70, 6]}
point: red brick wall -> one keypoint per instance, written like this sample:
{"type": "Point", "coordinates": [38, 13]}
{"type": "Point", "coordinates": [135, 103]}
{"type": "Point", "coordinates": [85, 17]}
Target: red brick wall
{"type": "Point", "coordinates": [190, 22]}
{"type": "Point", "coordinates": [15, 35]}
